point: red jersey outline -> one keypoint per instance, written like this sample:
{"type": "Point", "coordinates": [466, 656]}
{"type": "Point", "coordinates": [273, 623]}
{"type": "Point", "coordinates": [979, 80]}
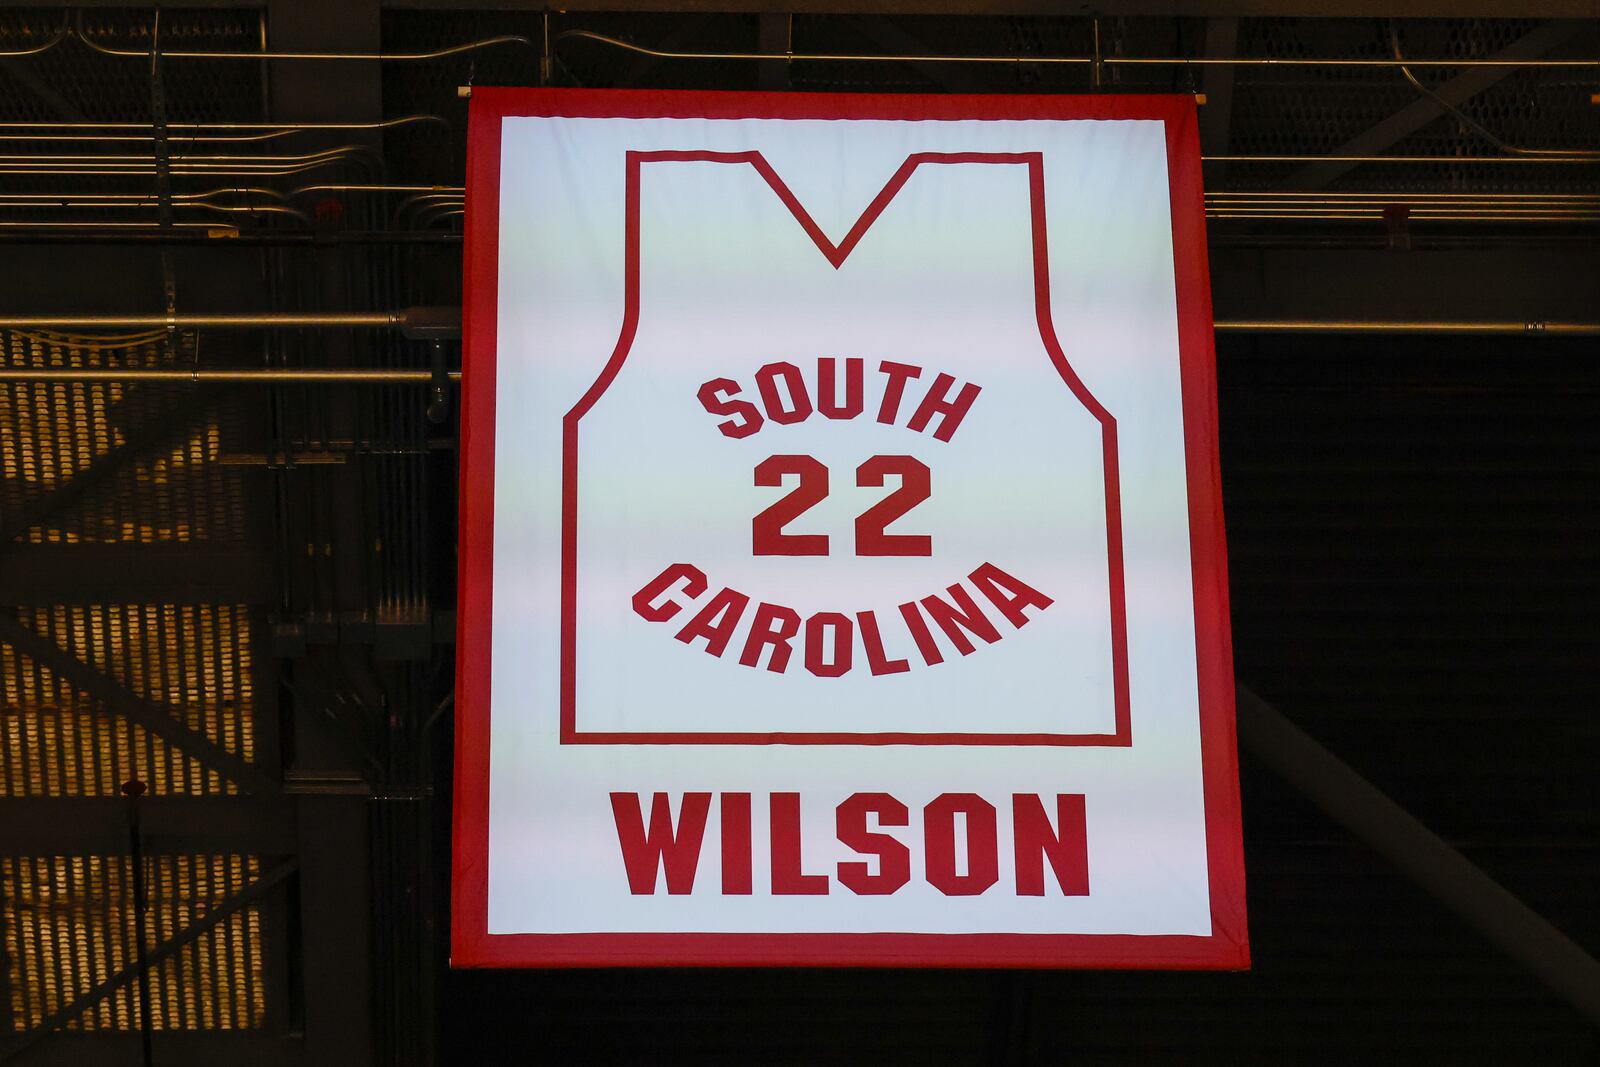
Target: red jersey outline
{"type": "Point", "coordinates": [836, 254]}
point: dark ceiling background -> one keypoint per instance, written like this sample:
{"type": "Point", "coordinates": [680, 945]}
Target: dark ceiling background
{"type": "Point", "coordinates": [243, 596]}
{"type": "Point", "coordinates": [1412, 545]}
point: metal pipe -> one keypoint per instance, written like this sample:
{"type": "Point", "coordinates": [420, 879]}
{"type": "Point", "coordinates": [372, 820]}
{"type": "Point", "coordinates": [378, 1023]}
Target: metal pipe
{"type": "Point", "coordinates": [1415, 216]}
{"type": "Point", "coordinates": [1420, 854]}
{"type": "Point", "coordinates": [61, 34]}
{"type": "Point", "coordinates": [179, 169]}
{"type": "Point", "coordinates": [386, 57]}
{"type": "Point", "coordinates": [419, 316]}
{"type": "Point", "coordinates": [78, 138]}
{"type": "Point", "coordinates": [262, 376]}
{"type": "Point", "coordinates": [421, 201]}
{"type": "Point", "coordinates": [1535, 328]}
{"type": "Point", "coordinates": [127, 159]}
{"type": "Point", "coordinates": [220, 231]}
{"type": "Point", "coordinates": [75, 224]}
{"type": "Point", "coordinates": [119, 171]}
{"type": "Point", "coordinates": [265, 319]}
{"type": "Point", "coordinates": [438, 316]}
{"type": "Point", "coordinates": [132, 790]}
{"type": "Point", "coordinates": [100, 205]}
{"type": "Point", "coordinates": [1397, 196]}
{"type": "Point", "coordinates": [225, 190]}
{"type": "Point", "coordinates": [1399, 159]}
{"type": "Point", "coordinates": [1082, 61]}
{"type": "Point", "coordinates": [261, 131]}
{"type": "Point", "coordinates": [459, 190]}
{"type": "Point", "coordinates": [1465, 119]}
{"type": "Point", "coordinates": [1467, 207]}
{"type": "Point", "coordinates": [1577, 218]}
{"type": "Point", "coordinates": [399, 376]}
{"type": "Point", "coordinates": [285, 127]}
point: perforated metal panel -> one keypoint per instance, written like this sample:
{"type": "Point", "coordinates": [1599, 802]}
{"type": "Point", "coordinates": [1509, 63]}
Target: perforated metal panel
{"type": "Point", "coordinates": [192, 660]}
{"type": "Point", "coordinates": [70, 926]}
{"type": "Point", "coordinates": [101, 466]}
{"type": "Point", "coordinates": [53, 435]}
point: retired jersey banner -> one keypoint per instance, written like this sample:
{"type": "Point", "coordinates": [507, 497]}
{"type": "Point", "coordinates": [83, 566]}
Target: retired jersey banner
{"type": "Point", "coordinates": [842, 572]}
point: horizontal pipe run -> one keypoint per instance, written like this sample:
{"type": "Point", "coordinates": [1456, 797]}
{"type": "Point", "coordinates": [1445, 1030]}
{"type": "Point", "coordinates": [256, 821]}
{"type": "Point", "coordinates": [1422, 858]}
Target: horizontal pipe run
{"type": "Point", "coordinates": [267, 319]}
{"type": "Point", "coordinates": [385, 57]}
{"type": "Point", "coordinates": [1399, 159]}
{"type": "Point", "coordinates": [1079, 61]}
{"type": "Point", "coordinates": [187, 132]}
{"type": "Point", "coordinates": [277, 127]}
{"type": "Point", "coordinates": [1506, 328]}
{"type": "Point", "coordinates": [263, 376]}
{"type": "Point", "coordinates": [403, 376]}
{"type": "Point", "coordinates": [215, 233]}
{"type": "Point", "coordinates": [1396, 196]}
{"type": "Point", "coordinates": [448, 317]}
{"type": "Point", "coordinates": [48, 44]}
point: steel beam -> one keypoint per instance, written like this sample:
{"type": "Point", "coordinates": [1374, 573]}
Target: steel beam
{"type": "Point", "coordinates": [1419, 854]}
{"type": "Point", "coordinates": [682, 36]}
{"type": "Point", "coordinates": [1216, 117]}
{"type": "Point", "coordinates": [893, 38]}
{"type": "Point", "coordinates": [171, 573]}
{"type": "Point", "coordinates": [1417, 114]}
{"type": "Point", "coordinates": [1466, 284]}
{"type": "Point", "coordinates": [98, 825]}
{"type": "Point", "coordinates": [345, 1014]}
{"type": "Point", "coordinates": [173, 1048]}
{"type": "Point", "coordinates": [775, 35]}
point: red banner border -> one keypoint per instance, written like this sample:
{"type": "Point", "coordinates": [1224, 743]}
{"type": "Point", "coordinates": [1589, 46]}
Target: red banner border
{"type": "Point", "coordinates": [1226, 947]}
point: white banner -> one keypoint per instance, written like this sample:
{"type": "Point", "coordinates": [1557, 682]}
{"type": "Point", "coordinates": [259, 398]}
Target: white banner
{"type": "Point", "coordinates": [842, 574]}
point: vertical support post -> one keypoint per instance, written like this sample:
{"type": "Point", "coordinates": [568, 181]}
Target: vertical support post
{"type": "Point", "coordinates": [776, 36]}
{"type": "Point", "coordinates": [1097, 67]}
{"type": "Point", "coordinates": [132, 790]}
{"type": "Point", "coordinates": [1216, 118]}
{"type": "Point", "coordinates": [163, 162]}
{"type": "Point", "coordinates": [335, 898]}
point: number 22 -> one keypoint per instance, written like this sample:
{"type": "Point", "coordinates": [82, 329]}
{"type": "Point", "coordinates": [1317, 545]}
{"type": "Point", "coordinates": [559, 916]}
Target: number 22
{"type": "Point", "coordinates": [766, 529]}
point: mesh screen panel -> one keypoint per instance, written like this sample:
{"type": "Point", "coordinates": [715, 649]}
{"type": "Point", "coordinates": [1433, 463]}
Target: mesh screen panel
{"type": "Point", "coordinates": [51, 433]}
{"type": "Point", "coordinates": [193, 661]}
{"type": "Point", "coordinates": [116, 88]}
{"type": "Point", "coordinates": [70, 925]}
{"type": "Point", "coordinates": [91, 466]}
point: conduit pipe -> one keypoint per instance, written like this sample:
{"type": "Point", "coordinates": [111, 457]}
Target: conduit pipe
{"type": "Point", "coordinates": [199, 376]}
{"type": "Point", "coordinates": [292, 127]}
{"type": "Point", "coordinates": [385, 57]}
{"type": "Point", "coordinates": [60, 35]}
{"type": "Point", "coordinates": [434, 318]}
{"type": "Point", "coordinates": [206, 132]}
{"type": "Point", "coordinates": [1533, 328]}
{"type": "Point", "coordinates": [1400, 159]}
{"type": "Point", "coordinates": [1080, 61]}
{"type": "Point", "coordinates": [656, 53]}
{"type": "Point", "coordinates": [434, 321]}
{"type": "Point", "coordinates": [262, 320]}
